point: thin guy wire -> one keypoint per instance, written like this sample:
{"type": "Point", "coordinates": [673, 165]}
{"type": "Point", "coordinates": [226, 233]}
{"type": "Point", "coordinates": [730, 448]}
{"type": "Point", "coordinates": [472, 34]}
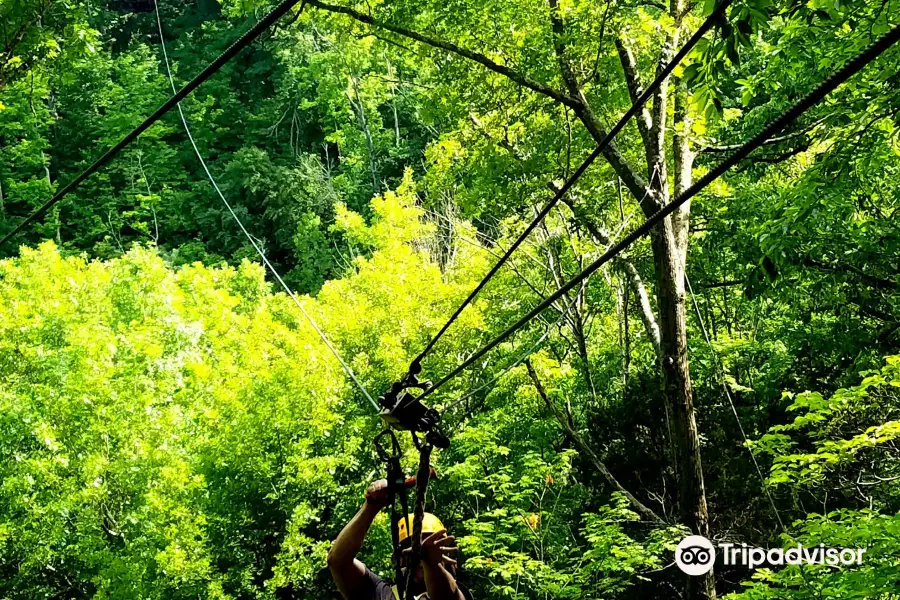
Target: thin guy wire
{"type": "Point", "coordinates": [638, 104]}
{"type": "Point", "coordinates": [242, 42]}
{"type": "Point", "coordinates": [721, 370]}
{"type": "Point", "coordinates": [786, 118]}
{"type": "Point", "coordinates": [563, 314]}
{"type": "Point", "coordinates": [252, 240]}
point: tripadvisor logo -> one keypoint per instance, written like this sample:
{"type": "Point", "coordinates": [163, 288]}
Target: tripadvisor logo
{"type": "Point", "coordinates": [695, 555]}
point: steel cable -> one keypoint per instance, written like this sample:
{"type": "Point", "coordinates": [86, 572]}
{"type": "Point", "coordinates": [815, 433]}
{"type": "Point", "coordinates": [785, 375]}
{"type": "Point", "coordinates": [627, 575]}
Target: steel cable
{"type": "Point", "coordinates": [786, 118]}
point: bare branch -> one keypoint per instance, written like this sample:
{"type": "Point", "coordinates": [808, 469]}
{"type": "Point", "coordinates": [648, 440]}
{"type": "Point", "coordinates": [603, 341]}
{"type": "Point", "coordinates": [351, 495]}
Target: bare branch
{"type": "Point", "coordinates": [720, 284]}
{"type": "Point", "coordinates": [648, 318]}
{"type": "Point", "coordinates": [636, 184]}
{"type": "Point", "coordinates": [602, 237]}
{"type": "Point", "coordinates": [683, 160]}
{"type": "Point", "coordinates": [870, 280]}
{"type": "Point", "coordinates": [773, 140]}
{"type": "Point", "coordinates": [656, 153]}
{"type": "Point", "coordinates": [584, 449]}
{"type": "Point", "coordinates": [635, 89]}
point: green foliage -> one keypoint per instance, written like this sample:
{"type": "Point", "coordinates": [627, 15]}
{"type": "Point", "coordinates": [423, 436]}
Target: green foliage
{"type": "Point", "coordinates": [835, 431]}
{"type": "Point", "coordinates": [40, 36]}
{"type": "Point", "coordinates": [845, 443]}
{"type": "Point", "coordinates": [171, 428]}
{"type": "Point", "coordinates": [280, 128]}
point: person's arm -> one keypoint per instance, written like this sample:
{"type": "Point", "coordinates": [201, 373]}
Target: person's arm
{"type": "Point", "coordinates": [348, 572]}
{"type": "Point", "coordinates": [439, 582]}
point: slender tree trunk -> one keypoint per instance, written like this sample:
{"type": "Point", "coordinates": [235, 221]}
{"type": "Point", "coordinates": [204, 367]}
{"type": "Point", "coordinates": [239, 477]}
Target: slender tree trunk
{"type": "Point", "coordinates": [620, 319]}
{"type": "Point", "coordinates": [626, 345]}
{"type": "Point", "coordinates": [670, 244]}
{"type": "Point", "coordinates": [364, 125]}
{"type": "Point", "coordinates": [577, 326]}
{"type": "Point", "coordinates": [55, 208]}
{"type": "Point", "coordinates": [585, 450]}
{"type": "Point", "coordinates": [679, 393]}
{"type": "Point", "coordinates": [390, 72]}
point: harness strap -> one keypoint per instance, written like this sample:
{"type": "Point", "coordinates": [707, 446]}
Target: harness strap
{"type": "Point", "coordinates": [396, 488]}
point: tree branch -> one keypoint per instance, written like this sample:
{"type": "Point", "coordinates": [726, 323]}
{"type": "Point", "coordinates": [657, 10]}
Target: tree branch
{"type": "Point", "coordinates": [648, 318]}
{"type": "Point", "coordinates": [872, 280]}
{"type": "Point", "coordinates": [683, 160]}
{"type": "Point", "coordinates": [720, 284]}
{"type": "Point", "coordinates": [583, 448]}
{"type": "Point", "coordinates": [636, 184]}
{"type": "Point", "coordinates": [481, 59]}
{"type": "Point", "coordinates": [656, 154]}
{"type": "Point", "coordinates": [768, 142]}
{"type": "Point", "coordinates": [602, 237]}
{"type": "Point", "coordinates": [635, 89]}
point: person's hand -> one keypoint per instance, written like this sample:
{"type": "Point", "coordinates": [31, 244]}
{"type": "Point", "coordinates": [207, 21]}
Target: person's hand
{"type": "Point", "coordinates": [437, 548]}
{"type": "Point", "coordinates": [377, 495]}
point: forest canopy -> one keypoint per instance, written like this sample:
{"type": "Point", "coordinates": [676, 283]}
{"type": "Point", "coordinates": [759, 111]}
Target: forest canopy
{"type": "Point", "coordinates": [173, 426]}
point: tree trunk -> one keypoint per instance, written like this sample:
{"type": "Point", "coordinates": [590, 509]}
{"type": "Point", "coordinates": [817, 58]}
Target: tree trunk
{"type": "Point", "coordinates": [626, 343]}
{"type": "Point", "coordinates": [55, 208]}
{"type": "Point", "coordinates": [679, 395]}
{"type": "Point", "coordinates": [390, 72]}
{"type": "Point", "coordinates": [670, 243]}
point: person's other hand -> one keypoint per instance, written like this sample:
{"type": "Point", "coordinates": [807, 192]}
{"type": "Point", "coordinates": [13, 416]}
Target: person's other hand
{"type": "Point", "coordinates": [377, 495]}
{"type": "Point", "coordinates": [437, 548]}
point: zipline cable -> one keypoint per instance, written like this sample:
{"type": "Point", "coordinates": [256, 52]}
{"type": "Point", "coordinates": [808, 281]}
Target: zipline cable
{"type": "Point", "coordinates": [786, 118]}
{"type": "Point", "coordinates": [522, 358]}
{"type": "Point", "coordinates": [532, 349]}
{"type": "Point", "coordinates": [638, 105]}
{"type": "Point", "coordinates": [232, 51]}
{"type": "Point", "coordinates": [252, 240]}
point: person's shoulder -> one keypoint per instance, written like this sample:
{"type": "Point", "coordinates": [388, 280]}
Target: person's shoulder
{"type": "Point", "coordinates": [376, 588]}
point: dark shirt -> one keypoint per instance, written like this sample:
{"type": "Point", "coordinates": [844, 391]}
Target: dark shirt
{"type": "Point", "coordinates": [376, 588]}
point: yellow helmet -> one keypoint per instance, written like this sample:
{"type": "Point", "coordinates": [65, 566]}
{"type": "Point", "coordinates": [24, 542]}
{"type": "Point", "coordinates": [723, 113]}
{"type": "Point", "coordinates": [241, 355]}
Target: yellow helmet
{"type": "Point", "coordinates": [430, 524]}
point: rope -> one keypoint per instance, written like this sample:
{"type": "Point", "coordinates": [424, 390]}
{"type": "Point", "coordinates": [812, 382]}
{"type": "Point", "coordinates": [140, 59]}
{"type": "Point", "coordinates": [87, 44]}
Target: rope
{"type": "Point", "coordinates": [232, 51]}
{"type": "Point", "coordinates": [786, 118]}
{"type": "Point", "coordinates": [252, 240]}
{"type": "Point", "coordinates": [415, 557]}
{"type": "Point", "coordinates": [638, 104]}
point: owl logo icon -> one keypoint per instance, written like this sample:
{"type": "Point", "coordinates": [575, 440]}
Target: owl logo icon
{"type": "Point", "coordinates": [695, 555]}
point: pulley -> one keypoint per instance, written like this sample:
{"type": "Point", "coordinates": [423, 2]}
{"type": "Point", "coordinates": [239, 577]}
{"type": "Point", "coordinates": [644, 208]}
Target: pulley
{"type": "Point", "coordinates": [402, 410]}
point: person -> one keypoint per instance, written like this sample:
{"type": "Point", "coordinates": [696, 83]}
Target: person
{"type": "Point", "coordinates": [434, 579]}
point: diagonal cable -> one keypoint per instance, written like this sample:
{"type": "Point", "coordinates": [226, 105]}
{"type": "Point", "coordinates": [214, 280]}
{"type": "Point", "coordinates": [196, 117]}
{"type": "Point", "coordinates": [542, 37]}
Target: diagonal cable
{"type": "Point", "coordinates": [532, 349]}
{"type": "Point", "coordinates": [252, 240]}
{"type": "Point", "coordinates": [786, 118]}
{"type": "Point", "coordinates": [601, 146]}
{"type": "Point", "coordinates": [232, 51]}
